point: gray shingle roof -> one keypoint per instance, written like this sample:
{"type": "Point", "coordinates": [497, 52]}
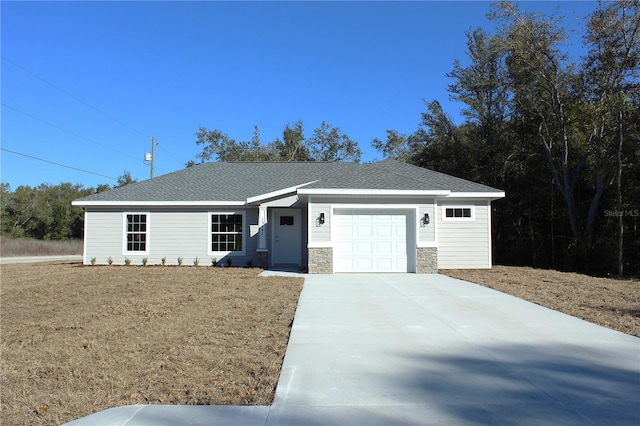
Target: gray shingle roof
{"type": "Point", "coordinates": [238, 181]}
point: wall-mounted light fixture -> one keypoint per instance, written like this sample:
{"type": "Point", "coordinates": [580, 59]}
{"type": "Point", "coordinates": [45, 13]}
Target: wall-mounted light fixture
{"type": "Point", "coordinates": [425, 219]}
{"type": "Point", "coordinates": [321, 218]}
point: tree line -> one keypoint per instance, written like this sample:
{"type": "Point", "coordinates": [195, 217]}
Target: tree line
{"type": "Point", "coordinates": [45, 212]}
{"type": "Point", "coordinates": [560, 135]}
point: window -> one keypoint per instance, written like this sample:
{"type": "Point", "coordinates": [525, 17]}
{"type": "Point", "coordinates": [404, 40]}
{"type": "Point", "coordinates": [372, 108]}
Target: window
{"type": "Point", "coordinates": [226, 232]}
{"type": "Point", "coordinates": [460, 213]}
{"type": "Point", "coordinates": [136, 240]}
{"type": "Point", "coordinates": [286, 220]}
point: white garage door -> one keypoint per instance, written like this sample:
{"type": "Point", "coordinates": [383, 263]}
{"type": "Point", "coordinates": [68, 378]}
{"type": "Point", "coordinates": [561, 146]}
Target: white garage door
{"type": "Point", "coordinates": [370, 241]}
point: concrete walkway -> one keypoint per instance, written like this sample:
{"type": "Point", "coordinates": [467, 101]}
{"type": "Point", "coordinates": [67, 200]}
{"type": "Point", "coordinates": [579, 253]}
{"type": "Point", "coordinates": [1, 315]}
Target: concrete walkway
{"type": "Point", "coordinates": [428, 349]}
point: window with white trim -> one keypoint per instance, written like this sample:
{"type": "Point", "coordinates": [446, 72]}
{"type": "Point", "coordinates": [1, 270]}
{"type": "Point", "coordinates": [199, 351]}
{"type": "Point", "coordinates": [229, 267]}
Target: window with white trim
{"type": "Point", "coordinates": [136, 233]}
{"type": "Point", "coordinates": [457, 213]}
{"type": "Point", "coordinates": [226, 233]}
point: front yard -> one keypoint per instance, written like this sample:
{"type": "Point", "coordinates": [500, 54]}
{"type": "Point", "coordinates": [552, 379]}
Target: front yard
{"type": "Point", "coordinates": [76, 340]}
{"type": "Point", "coordinates": [80, 339]}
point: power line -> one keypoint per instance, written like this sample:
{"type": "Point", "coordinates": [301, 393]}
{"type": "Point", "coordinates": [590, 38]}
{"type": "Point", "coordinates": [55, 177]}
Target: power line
{"type": "Point", "coordinates": [79, 100]}
{"type": "Point", "coordinates": [65, 130]}
{"type": "Point", "coordinates": [57, 164]}
{"type": "Point", "coordinates": [162, 148]}
{"type": "Point", "coordinates": [71, 95]}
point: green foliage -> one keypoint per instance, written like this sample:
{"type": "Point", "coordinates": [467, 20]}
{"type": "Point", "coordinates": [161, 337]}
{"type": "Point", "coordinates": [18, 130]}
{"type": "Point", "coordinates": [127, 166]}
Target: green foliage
{"type": "Point", "coordinates": [44, 212]}
{"type": "Point", "coordinates": [180, 261]}
{"type": "Point", "coordinates": [145, 260]}
{"type": "Point", "coordinates": [560, 135]}
{"type": "Point", "coordinates": [214, 261]}
{"type": "Point", "coordinates": [110, 260]}
{"type": "Point", "coordinates": [327, 143]}
{"type": "Point", "coordinates": [164, 261]}
{"type": "Point", "coordinates": [196, 261]}
{"type": "Point", "coordinates": [93, 261]}
{"type": "Point", "coordinates": [127, 261]}
{"type": "Point", "coordinates": [124, 180]}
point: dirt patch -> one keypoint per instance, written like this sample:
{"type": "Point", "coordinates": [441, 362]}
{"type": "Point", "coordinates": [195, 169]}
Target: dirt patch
{"type": "Point", "coordinates": [76, 340]}
{"type": "Point", "coordinates": [608, 302]}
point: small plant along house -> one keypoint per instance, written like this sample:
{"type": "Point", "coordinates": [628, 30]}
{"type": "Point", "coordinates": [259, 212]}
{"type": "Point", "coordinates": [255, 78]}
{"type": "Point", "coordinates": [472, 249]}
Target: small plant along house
{"type": "Point", "coordinates": [327, 217]}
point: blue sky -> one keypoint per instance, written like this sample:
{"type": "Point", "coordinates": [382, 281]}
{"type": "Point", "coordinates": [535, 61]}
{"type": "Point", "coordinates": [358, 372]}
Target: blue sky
{"type": "Point", "coordinates": [87, 84]}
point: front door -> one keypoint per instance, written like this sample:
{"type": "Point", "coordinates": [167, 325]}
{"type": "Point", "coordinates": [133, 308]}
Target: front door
{"type": "Point", "coordinates": [287, 237]}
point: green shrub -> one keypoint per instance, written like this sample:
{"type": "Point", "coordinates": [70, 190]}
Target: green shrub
{"type": "Point", "coordinates": [145, 260]}
{"type": "Point", "coordinates": [127, 261]}
{"type": "Point", "coordinates": [180, 261]}
{"type": "Point", "coordinates": [196, 261]}
{"type": "Point", "coordinates": [110, 260]}
{"type": "Point", "coordinates": [164, 260]}
{"type": "Point", "coordinates": [214, 261]}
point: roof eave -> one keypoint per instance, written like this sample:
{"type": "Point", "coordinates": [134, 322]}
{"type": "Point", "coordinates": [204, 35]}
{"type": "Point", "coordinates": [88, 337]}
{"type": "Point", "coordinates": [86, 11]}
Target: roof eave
{"type": "Point", "coordinates": [373, 192]}
{"type": "Point", "coordinates": [156, 203]}
{"type": "Point", "coordinates": [276, 194]}
{"type": "Point", "coordinates": [494, 195]}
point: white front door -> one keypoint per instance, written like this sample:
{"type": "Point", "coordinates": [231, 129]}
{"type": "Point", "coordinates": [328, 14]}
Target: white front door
{"type": "Point", "coordinates": [286, 239]}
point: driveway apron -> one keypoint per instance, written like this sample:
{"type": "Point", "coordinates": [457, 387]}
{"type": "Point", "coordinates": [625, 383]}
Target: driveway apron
{"type": "Point", "coordinates": [429, 349]}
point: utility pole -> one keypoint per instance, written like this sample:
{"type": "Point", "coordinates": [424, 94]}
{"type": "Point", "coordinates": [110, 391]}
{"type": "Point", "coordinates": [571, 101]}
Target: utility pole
{"type": "Point", "coordinates": [153, 155]}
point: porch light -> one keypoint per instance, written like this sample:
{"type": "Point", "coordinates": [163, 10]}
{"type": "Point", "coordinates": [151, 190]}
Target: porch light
{"type": "Point", "coordinates": [425, 219]}
{"type": "Point", "coordinates": [321, 218]}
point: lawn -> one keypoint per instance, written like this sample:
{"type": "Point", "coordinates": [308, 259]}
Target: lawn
{"type": "Point", "coordinates": [611, 303]}
{"type": "Point", "coordinates": [80, 339]}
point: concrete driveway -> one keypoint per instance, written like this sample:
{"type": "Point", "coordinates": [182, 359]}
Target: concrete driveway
{"type": "Point", "coordinates": [428, 349]}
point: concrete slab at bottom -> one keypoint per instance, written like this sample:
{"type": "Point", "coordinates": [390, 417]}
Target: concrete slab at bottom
{"type": "Point", "coordinates": [177, 415]}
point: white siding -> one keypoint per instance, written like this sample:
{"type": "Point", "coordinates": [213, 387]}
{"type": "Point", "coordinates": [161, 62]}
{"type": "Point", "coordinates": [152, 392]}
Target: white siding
{"type": "Point", "coordinates": [171, 234]}
{"type": "Point", "coordinates": [319, 233]}
{"type": "Point", "coordinates": [464, 244]}
{"type": "Point", "coordinates": [427, 233]}
{"type": "Point", "coordinates": [103, 236]}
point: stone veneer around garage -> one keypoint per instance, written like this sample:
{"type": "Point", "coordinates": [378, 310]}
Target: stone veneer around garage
{"type": "Point", "coordinates": [321, 260]}
{"type": "Point", "coordinates": [427, 260]}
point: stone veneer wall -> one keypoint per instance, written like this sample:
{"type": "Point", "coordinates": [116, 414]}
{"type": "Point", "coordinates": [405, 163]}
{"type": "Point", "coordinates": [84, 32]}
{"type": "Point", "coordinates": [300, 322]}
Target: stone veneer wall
{"type": "Point", "coordinates": [427, 259]}
{"type": "Point", "coordinates": [321, 260]}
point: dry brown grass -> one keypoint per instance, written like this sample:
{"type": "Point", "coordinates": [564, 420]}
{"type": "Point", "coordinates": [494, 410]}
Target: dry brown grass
{"type": "Point", "coordinates": [76, 340]}
{"type": "Point", "coordinates": [25, 247]}
{"type": "Point", "coordinates": [608, 302]}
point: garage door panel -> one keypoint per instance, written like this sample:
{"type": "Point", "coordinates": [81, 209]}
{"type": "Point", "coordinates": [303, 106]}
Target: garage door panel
{"type": "Point", "coordinates": [370, 242]}
{"type": "Point", "coordinates": [346, 248]}
{"type": "Point", "coordinates": [365, 264]}
{"type": "Point", "coordinates": [385, 247]}
{"type": "Point", "coordinates": [364, 231]}
{"type": "Point", "coordinates": [384, 231]}
{"type": "Point", "coordinates": [345, 231]}
{"type": "Point", "coordinates": [364, 248]}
